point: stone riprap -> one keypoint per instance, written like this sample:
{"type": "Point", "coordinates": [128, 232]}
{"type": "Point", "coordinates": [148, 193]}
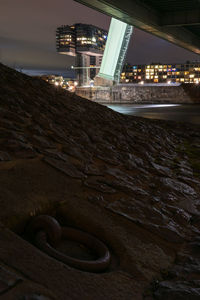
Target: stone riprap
{"type": "Point", "coordinates": [132, 183]}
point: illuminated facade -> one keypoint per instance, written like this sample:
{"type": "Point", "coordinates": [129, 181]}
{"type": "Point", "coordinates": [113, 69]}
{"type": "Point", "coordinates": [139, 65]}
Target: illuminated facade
{"type": "Point", "coordinates": [66, 40]}
{"type": "Point", "coordinates": [161, 73]}
{"type": "Point", "coordinates": [115, 51]}
{"type": "Point", "coordinates": [81, 38]}
{"type": "Point", "coordinates": [86, 43]}
{"type": "Point", "coordinates": [90, 39]}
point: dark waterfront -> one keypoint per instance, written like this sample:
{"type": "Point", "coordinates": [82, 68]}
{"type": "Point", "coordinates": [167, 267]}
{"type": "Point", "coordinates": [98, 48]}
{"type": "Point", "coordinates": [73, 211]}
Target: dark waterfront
{"type": "Point", "coordinates": [174, 112]}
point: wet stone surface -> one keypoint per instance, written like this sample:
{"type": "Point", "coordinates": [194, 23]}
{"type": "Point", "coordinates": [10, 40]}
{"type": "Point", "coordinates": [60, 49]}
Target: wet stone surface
{"type": "Point", "coordinates": [178, 290]}
{"type": "Point", "coordinates": [35, 297]}
{"type": "Point", "coordinates": [142, 175]}
{"type": "Point", "coordinates": [7, 280]}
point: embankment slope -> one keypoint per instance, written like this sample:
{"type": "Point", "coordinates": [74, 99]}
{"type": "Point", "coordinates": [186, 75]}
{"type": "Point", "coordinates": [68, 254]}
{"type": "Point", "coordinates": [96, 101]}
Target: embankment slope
{"type": "Point", "coordinates": [133, 183]}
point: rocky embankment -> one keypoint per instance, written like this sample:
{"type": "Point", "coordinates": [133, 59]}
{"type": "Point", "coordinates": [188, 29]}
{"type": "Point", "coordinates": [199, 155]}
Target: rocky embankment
{"type": "Point", "coordinates": [132, 183]}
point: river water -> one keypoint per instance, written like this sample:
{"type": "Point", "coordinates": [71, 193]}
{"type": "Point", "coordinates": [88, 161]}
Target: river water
{"type": "Point", "coordinates": [176, 112]}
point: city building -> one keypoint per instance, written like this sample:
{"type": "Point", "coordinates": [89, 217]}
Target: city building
{"type": "Point", "coordinates": [86, 43]}
{"type": "Point", "coordinates": [66, 40]}
{"type": "Point", "coordinates": [59, 81]}
{"type": "Point", "coordinates": [161, 73]}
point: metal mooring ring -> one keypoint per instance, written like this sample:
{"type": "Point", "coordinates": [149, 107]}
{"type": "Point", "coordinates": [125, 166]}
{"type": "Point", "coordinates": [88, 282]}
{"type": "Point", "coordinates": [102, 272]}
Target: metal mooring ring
{"type": "Point", "coordinates": [47, 223]}
{"type": "Point", "coordinates": [86, 239]}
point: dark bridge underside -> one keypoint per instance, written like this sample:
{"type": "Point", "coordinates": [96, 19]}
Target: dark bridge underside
{"type": "Point", "coordinates": [177, 21]}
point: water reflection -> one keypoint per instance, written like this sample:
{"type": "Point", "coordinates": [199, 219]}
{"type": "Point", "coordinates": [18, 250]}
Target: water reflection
{"type": "Point", "coordinates": [175, 112]}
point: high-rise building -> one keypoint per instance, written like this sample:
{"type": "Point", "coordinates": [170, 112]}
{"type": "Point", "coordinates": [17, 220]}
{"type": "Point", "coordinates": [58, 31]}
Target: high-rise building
{"type": "Point", "coordinates": [86, 43]}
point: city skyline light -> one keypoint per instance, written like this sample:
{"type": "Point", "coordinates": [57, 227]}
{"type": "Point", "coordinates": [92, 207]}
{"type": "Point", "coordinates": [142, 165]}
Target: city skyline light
{"type": "Point", "coordinates": [28, 36]}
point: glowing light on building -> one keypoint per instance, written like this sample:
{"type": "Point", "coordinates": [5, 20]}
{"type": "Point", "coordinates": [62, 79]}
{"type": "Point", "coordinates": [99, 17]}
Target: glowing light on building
{"type": "Point", "coordinates": [183, 73]}
{"type": "Point", "coordinates": [116, 37]}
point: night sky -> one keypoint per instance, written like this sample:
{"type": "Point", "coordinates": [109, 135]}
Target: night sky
{"type": "Point", "coordinates": [27, 35]}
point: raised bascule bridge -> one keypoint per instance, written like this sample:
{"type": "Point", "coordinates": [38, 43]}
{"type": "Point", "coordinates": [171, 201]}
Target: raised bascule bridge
{"type": "Point", "coordinates": [177, 21]}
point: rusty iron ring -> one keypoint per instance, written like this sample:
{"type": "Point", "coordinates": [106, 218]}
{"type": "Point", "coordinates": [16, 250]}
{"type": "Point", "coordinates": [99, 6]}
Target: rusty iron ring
{"type": "Point", "coordinates": [86, 239]}
{"type": "Point", "coordinates": [47, 223]}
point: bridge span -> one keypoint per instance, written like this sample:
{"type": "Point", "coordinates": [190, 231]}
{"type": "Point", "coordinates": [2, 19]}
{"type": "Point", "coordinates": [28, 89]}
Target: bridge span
{"type": "Point", "coordinates": [177, 21]}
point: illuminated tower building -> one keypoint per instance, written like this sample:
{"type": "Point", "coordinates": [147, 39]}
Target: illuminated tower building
{"type": "Point", "coordinates": [86, 43]}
